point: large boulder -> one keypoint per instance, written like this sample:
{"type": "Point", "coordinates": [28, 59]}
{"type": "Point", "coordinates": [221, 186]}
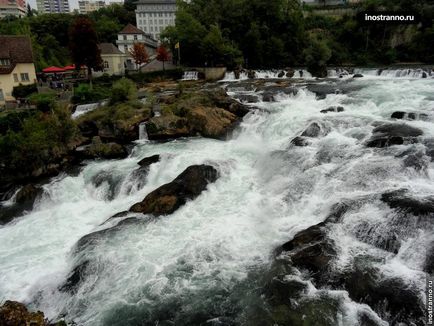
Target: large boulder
{"type": "Point", "coordinates": [28, 194]}
{"type": "Point", "coordinates": [14, 313]}
{"type": "Point", "coordinates": [169, 197]}
{"type": "Point", "coordinates": [147, 161]}
{"type": "Point", "coordinates": [389, 134]}
{"type": "Point", "coordinates": [310, 249]}
{"type": "Point", "coordinates": [167, 127]}
{"type": "Point", "coordinates": [403, 201]}
{"type": "Point", "coordinates": [210, 122]}
{"type": "Point", "coordinates": [393, 299]}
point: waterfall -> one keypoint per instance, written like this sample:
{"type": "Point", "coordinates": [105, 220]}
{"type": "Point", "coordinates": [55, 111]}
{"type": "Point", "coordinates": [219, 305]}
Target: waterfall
{"type": "Point", "coordinates": [205, 262]}
{"type": "Point", "coordinates": [143, 134]}
{"type": "Point", "coordinates": [84, 108]}
{"type": "Point", "coordinates": [190, 75]}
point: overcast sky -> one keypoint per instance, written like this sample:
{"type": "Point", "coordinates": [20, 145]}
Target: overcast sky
{"type": "Point", "coordinates": [73, 4]}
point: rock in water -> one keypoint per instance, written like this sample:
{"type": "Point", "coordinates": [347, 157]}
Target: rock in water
{"type": "Point", "coordinates": [169, 197]}
{"type": "Point", "coordinates": [357, 76]}
{"type": "Point", "coordinates": [313, 130]}
{"type": "Point", "coordinates": [210, 122]}
{"type": "Point", "coordinates": [14, 313]}
{"type": "Point", "coordinates": [390, 134]}
{"type": "Point", "coordinates": [28, 194]}
{"type": "Point", "coordinates": [333, 109]}
{"type": "Point", "coordinates": [147, 161]}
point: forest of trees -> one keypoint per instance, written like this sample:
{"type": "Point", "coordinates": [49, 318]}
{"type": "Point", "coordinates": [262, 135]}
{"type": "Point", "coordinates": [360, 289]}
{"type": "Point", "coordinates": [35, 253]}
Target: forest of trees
{"type": "Point", "coordinates": [251, 33]}
{"type": "Point", "coordinates": [279, 33]}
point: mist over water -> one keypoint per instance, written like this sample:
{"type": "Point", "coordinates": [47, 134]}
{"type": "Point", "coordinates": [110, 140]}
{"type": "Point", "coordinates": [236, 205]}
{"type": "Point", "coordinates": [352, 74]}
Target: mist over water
{"type": "Point", "coordinates": [203, 261]}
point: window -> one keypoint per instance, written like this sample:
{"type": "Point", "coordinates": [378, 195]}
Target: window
{"type": "Point", "coordinates": [106, 65]}
{"type": "Point", "coordinates": [135, 37]}
{"type": "Point", "coordinates": [5, 62]}
{"type": "Point", "coordinates": [16, 78]}
{"type": "Point", "coordinates": [125, 48]}
{"type": "Point", "coordinates": [125, 37]}
{"type": "Point", "coordinates": [2, 97]}
{"type": "Point", "coordinates": [25, 77]}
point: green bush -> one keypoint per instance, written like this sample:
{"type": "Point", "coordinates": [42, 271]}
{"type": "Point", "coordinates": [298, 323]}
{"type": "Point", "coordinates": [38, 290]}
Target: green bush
{"type": "Point", "coordinates": [42, 138]}
{"type": "Point", "coordinates": [148, 77]}
{"type": "Point", "coordinates": [23, 91]}
{"type": "Point", "coordinates": [83, 93]}
{"type": "Point", "coordinates": [44, 101]}
{"type": "Point", "coordinates": [123, 90]}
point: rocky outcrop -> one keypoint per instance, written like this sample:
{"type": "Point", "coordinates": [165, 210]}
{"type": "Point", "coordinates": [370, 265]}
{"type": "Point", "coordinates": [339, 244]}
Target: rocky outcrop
{"type": "Point", "coordinates": [390, 134]}
{"type": "Point", "coordinates": [99, 150]}
{"type": "Point", "coordinates": [357, 76]}
{"type": "Point", "coordinates": [314, 130]}
{"type": "Point", "coordinates": [24, 201]}
{"type": "Point", "coordinates": [167, 127]}
{"type": "Point", "coordinates": [14, 313]}
{"type": "Point", "coordinates": [247, 98]}
{"type": "Point", "coordinates": [210, 122]}
{"type": "Point", "coordinates": [147, 161]}
{"type": "Point", "coordinates": [169, 197]}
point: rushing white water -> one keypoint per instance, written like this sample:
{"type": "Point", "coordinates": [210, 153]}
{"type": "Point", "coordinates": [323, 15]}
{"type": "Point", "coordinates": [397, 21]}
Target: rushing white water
{"type": "Point", "coordinates": [190, 75]}
{"type": "Point", "coordinates": [267, 192]}
{"type": "Point", "coordinates": [85, 108]}
{"type": "Point", "coordinates": [267, 74]}
{"type": "Point", "coordinates": [143, 134]}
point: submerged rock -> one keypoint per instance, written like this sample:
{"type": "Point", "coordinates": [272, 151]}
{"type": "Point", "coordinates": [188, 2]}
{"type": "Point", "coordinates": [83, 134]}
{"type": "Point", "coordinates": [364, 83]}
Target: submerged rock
{"type": "Point", "coordinates": [310, 249]}
{"type": "Point", "coordinates": [357, 76]}
{"type": "Point", "coordinates": [169, 197]}
{"type": "Point", "coordinates": [13, 313]}
{"type": "Point", "coordinates": [333, 109]}
{"type": "Point", "coordinates": [390, 134]}
{"type": "Point", "coordinates": [409, 115]}
{"type": "Point", "coordinates": [391, 298]}
{"type": "Point", "coordinates": [25, 200]}
{"type": "Point", "coordinates": [147, 161]}
{"type": "Point", "coordinates": [247, 98]}
{"type": "Point", "coordinates": [403, 201]}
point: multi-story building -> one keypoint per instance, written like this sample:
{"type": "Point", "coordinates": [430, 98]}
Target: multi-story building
{"type": "Point", "coordinates": [16, 65]}
{"type": "Point", "coordinates": [130, 35]}
{"type": "Point", "coordinates": [53, 6]}
{"type": "Point", "coordinates": [13, 8]}
{"type": "Point", "coordinates": [153, 16]}
{"type": "Point", "coordinates": [86, 6]}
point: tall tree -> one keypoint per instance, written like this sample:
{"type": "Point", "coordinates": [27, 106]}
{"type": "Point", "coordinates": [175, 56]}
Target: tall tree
{"type": "Point", "coordinates": [83, 44]}
{"type": "Point", "coordinates": [163, 55]}
{"type": "Point", "coordinates": [139, 54]}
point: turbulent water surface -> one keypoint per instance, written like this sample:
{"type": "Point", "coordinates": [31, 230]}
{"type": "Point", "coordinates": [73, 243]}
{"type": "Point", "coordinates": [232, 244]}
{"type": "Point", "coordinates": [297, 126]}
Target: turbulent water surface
{"type": "Point", "coordinates": [199, 264]}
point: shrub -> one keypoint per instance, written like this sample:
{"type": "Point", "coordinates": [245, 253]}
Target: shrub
{"type": "Point", "coordinates": [83, 93]}
{"type": "Point", "coordinates": [44, 101]}
{"type": "Point", "coordinates": [23, 91]}
{"type": "Point", "coordinates": [123, 90]}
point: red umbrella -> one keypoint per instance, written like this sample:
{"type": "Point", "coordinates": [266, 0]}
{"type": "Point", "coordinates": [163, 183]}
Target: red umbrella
{"type": "Point", "coordinates": [53, 69]}
{"type": "Point", "coordinates": [71, 67]}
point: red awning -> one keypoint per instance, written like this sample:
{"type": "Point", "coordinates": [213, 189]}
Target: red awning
{"type": "Point", "coordinates": [71, 67]}
{"type": "Point", "coordinates": [53, 69]}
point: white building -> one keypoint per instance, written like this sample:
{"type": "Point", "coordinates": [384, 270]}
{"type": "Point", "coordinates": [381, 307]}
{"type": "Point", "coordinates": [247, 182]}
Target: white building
{"type": "Point", "coordinates": [153, 16]}
{"type": "Point", "coordinates": [53, 6]}
{"type": "Point", "coordinates": [86, 6]}
{"type": "Point", "coordinates": [130, 35]}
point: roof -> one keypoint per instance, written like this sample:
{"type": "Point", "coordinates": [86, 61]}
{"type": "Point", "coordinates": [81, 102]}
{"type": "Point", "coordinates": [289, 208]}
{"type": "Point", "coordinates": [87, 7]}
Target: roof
{"type": "Point", "coordinates": [18, 49]}
{"type": "Point", "coordinates": [131, 29]}
{"type": "Point", "coordinates": [109, 48]}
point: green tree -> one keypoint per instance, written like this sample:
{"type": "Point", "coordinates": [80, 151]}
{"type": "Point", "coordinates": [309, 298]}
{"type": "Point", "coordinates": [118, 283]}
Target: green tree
{"type": "Point", "coordinates": [83, 44]}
